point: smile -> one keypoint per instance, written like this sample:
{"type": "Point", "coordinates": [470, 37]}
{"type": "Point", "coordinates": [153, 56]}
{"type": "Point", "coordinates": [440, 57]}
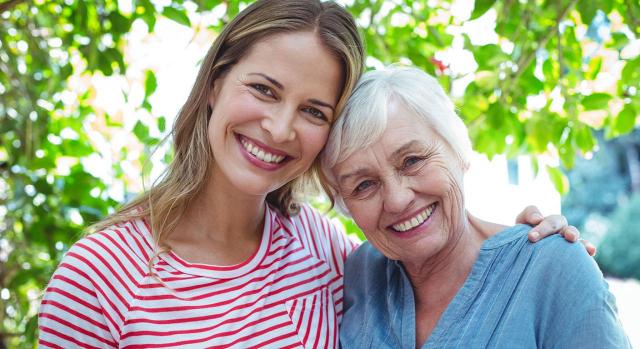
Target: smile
{"type": "Point", "coordinates": [415, 220]}
{"type": "Point", "coordinates": [261, 153]}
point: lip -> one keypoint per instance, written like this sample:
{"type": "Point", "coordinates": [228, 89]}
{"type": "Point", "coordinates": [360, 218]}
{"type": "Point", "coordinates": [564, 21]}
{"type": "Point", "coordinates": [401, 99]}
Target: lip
{"type": "Point", "coordinates": [262, 145]}
{"type": "Point", "coordinates": [257, 162]}
{"type": "Point", "coordinates": [417, 229]}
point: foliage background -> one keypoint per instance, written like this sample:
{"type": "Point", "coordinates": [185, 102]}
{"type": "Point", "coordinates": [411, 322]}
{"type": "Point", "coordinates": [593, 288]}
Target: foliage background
{"type": "Point", "coordinates": [555, 77]}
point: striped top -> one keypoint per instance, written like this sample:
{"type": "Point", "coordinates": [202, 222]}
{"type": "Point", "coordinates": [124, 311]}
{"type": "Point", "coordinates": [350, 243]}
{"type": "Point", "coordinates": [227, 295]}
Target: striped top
{"type": "Point", "coordinates": [287, 295]}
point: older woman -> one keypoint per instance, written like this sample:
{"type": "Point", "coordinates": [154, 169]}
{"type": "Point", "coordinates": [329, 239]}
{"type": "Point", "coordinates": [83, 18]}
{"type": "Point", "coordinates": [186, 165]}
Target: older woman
{"type": "Point", "coordinates": [432, 275]}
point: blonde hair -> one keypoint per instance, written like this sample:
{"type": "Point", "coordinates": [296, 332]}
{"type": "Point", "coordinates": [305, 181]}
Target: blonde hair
{"type": "Point", "coordinates": [365, 117]}
{"type": "Point", "coordinates": [165, 202]}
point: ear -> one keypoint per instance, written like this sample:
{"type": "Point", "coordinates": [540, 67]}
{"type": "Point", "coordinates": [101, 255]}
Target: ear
{"type": "Point", "coordinates": [214, 91]}
{"type": "Point", "coordinates": [465, 166]}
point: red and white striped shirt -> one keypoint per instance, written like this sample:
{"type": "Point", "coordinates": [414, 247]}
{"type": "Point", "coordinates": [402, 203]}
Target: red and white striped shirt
{"type": "Point", "coordinates": [287, 295]}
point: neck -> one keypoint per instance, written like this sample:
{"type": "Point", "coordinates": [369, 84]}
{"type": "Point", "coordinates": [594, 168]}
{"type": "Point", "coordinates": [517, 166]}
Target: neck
{"type": "Point", "coordinates": [436, 280]}
{"type": "Point", "coordinates": [226, 214]}
{"type": "Point", "coordinates": [220, 226]}
{"type": "Point", "coordinates": [439, 277]}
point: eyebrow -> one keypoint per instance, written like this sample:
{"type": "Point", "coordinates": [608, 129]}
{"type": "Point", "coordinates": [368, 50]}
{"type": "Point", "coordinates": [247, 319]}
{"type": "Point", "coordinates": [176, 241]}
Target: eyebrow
{"type": "Point", "coordinates": [356, 173]}
{"type": "Point", "coordinates": [271, 80]}
{"type": "Point", "coordinates": [404, 149]}
{"type": "Point", "coordinates": [322, 104]}
{"type": "Point", "coordinates": [397, 153]}
{"type": "Point", "coordinates": [281, 87]}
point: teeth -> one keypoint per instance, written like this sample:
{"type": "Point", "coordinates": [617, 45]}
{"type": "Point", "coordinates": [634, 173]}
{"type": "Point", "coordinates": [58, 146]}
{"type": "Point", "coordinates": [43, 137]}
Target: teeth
{"type": "Point", "coordinates": [415, 221]}
{"type": "Point", "coordinates": [261, 154]}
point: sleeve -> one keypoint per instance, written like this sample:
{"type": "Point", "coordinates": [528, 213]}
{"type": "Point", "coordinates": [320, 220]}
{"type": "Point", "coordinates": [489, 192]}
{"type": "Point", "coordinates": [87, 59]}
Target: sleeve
{"type": "Point", "coordinates": [331, 244]}
{"type": "Point", "coordinates": [82, 306]}
{"type": "Point", "coordinates": [583, 312]}
{"type": "Point", "coordinates": [334, 243]}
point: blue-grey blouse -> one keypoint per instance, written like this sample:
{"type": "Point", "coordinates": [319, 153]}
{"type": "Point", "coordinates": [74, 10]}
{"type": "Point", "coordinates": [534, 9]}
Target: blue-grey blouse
{"type": "Point", "coordinates": [550, 294]}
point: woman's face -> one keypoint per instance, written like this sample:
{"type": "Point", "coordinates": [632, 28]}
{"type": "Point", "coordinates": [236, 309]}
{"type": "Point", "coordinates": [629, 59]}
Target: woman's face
{"type": "Point", "coordinates": [272, 112]}
{"type": "Point", "coordinates": [405, 190]}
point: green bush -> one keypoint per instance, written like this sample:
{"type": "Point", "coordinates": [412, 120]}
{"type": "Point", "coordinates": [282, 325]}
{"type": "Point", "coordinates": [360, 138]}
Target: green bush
{"type": "Point", "coordinates": [618, 254]}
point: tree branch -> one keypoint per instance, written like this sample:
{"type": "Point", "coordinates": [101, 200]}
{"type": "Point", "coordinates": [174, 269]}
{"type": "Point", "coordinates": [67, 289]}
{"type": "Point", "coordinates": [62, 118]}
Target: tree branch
{"type": "Point", "coordinates": [523, 63]}
{"type": "Point", "coordinates": [7, 5]}
{"type": "Point", "coordinates": [632, 17]}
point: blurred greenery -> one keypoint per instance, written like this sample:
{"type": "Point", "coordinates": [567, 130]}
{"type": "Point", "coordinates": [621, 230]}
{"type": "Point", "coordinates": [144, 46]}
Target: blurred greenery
{"type": "Point", "coordinates": [618, 254]}
{"type": "Point", "coordinates": [603, 203]}
{"type": "Point", "coordinates": [554, 52]}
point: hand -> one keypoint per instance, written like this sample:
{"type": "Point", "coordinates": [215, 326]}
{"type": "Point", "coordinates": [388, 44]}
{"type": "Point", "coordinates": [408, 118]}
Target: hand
{"type": "Point", "coordinates": [546, 226]}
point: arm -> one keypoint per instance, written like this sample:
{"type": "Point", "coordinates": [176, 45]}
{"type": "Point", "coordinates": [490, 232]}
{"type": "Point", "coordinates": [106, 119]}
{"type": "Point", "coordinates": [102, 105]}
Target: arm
{"type": "Point", "coordinates": [580, 310]}
{"type": "Point", "coordinates": [72, 313]}
{"type": "Point", "coordinates": [554, 224]}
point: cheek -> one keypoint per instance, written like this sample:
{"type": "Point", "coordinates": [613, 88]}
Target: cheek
{"type": "Point", "coordinates": [235, 111]}
{"type": "Point", "coordinates": [366, 217]}
{"type": "Point", "coordinates": [313, 138]}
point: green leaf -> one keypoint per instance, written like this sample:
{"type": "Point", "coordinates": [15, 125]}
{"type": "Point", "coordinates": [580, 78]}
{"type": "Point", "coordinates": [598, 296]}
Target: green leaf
{"type": "Point", "coordinates": [630, 75]}
{"type": "Point", "coordinates": [587, 9]}
{"type": "Point", "coordinates": [584, 138]}
{"type": "Point", "coordinates": [480, 7]}
{"type": "Point", "coordinates": [150, 83]}
{"type": "Point", "coordinates": [162, 123]}
{"type": "Point", "coordinates": [596, 101]}
{"type": "Point", "coordinates": [594, 68]}
{"type": "Point", "coordinates": [75, 148]}
{"type": "Point", "coordinates": [177, 15]}
{"type": "Point", "coordinates": [210, 4]}
{"type": "Point", "coordinates": [486, 79]}
{"type": "Point", "coordinates": [550, 70]}
{"type": "Point", "coordinates": [618, 41]}
{"type": "Point", "coordinates": [148, 14]}
{"type": "Point", "coordinates": [120, 23]}
{"type": "Point", "coordinates": [535, 166]}
{"type": "Point", "coordinates": [115, 55]}
{"type": "Point", "coordinates": [626, 120]}
{"type": "Point", "coordinates": [559, 179]}
{"type": "Point", "coordinates": [495, 115]}
{"type": "Point", "coordinates": [141, 131]}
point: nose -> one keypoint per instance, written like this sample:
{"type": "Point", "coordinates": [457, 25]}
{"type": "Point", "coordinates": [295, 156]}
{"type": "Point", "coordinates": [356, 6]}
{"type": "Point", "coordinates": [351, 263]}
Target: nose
{"type": "Point", "coordinates": [398, 195]}
{"type": "Point", "coordinates": [279, 123]}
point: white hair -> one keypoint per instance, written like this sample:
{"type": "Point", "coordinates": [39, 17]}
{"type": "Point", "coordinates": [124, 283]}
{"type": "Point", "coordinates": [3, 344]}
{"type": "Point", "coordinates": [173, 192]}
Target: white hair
{"type": "Point", "coordinates": [364, 117]}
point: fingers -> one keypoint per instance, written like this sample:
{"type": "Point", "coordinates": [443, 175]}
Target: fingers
{"type": "Point", "coordinates": [570, 233]}
{"type": "Point", "coordinates": [530, 215]}
{"type": "Point", "coordinates": [591, 250]}
{"type": "Point", "coordinates": [549, 226]}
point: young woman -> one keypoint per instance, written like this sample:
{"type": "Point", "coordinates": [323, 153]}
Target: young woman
{"type": "Point", "coordinates": [218, 253]}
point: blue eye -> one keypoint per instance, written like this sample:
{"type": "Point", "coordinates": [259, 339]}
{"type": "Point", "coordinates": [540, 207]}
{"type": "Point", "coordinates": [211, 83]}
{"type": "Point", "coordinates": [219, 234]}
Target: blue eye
{"type": "Point", "coordinates": [315, 113]}
{"type": "Point", "coordinates": [411, 161]}
{"type": "Point", "coordinates": [362, 186]}
{"type": "Point", "coordinates": [265, 90]}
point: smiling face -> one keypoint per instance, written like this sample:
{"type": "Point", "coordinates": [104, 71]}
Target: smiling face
{"type": "Point", "coordinates": [272, 112]}
{"type": "Point", "coordinates": [405, 191]}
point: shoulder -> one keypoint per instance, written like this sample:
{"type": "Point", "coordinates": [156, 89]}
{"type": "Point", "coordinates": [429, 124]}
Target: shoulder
{"type": "Point", "coordinates": [316, 228]}
{"type": "Point", "coordinates": [93, 287]}
{"type": "Point", "coordinates": [319, 236]}
{"type": "Point", "coordinates": [571, 290]}
{"type": "Point", "coordinates": [558, 271]}
{"type": "Point", "coordinates": [368, 258]}
{"type": "Point", "coordinates": [552, 256]}
{"type": "Point", "coordinates": [107, 254]}
{"type": "Point", "coordinates": [568, 261]}
{"type": "Point", "coordinates": [366, 266]}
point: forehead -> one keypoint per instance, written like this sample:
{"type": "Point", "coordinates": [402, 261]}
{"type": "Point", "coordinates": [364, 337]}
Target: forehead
{"type": "Point", "coordinates": [405, 130]}
{"type": "Point", "coordinates": [404, 126]}
{"type": "Point", "coordinates": [293, 52]}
